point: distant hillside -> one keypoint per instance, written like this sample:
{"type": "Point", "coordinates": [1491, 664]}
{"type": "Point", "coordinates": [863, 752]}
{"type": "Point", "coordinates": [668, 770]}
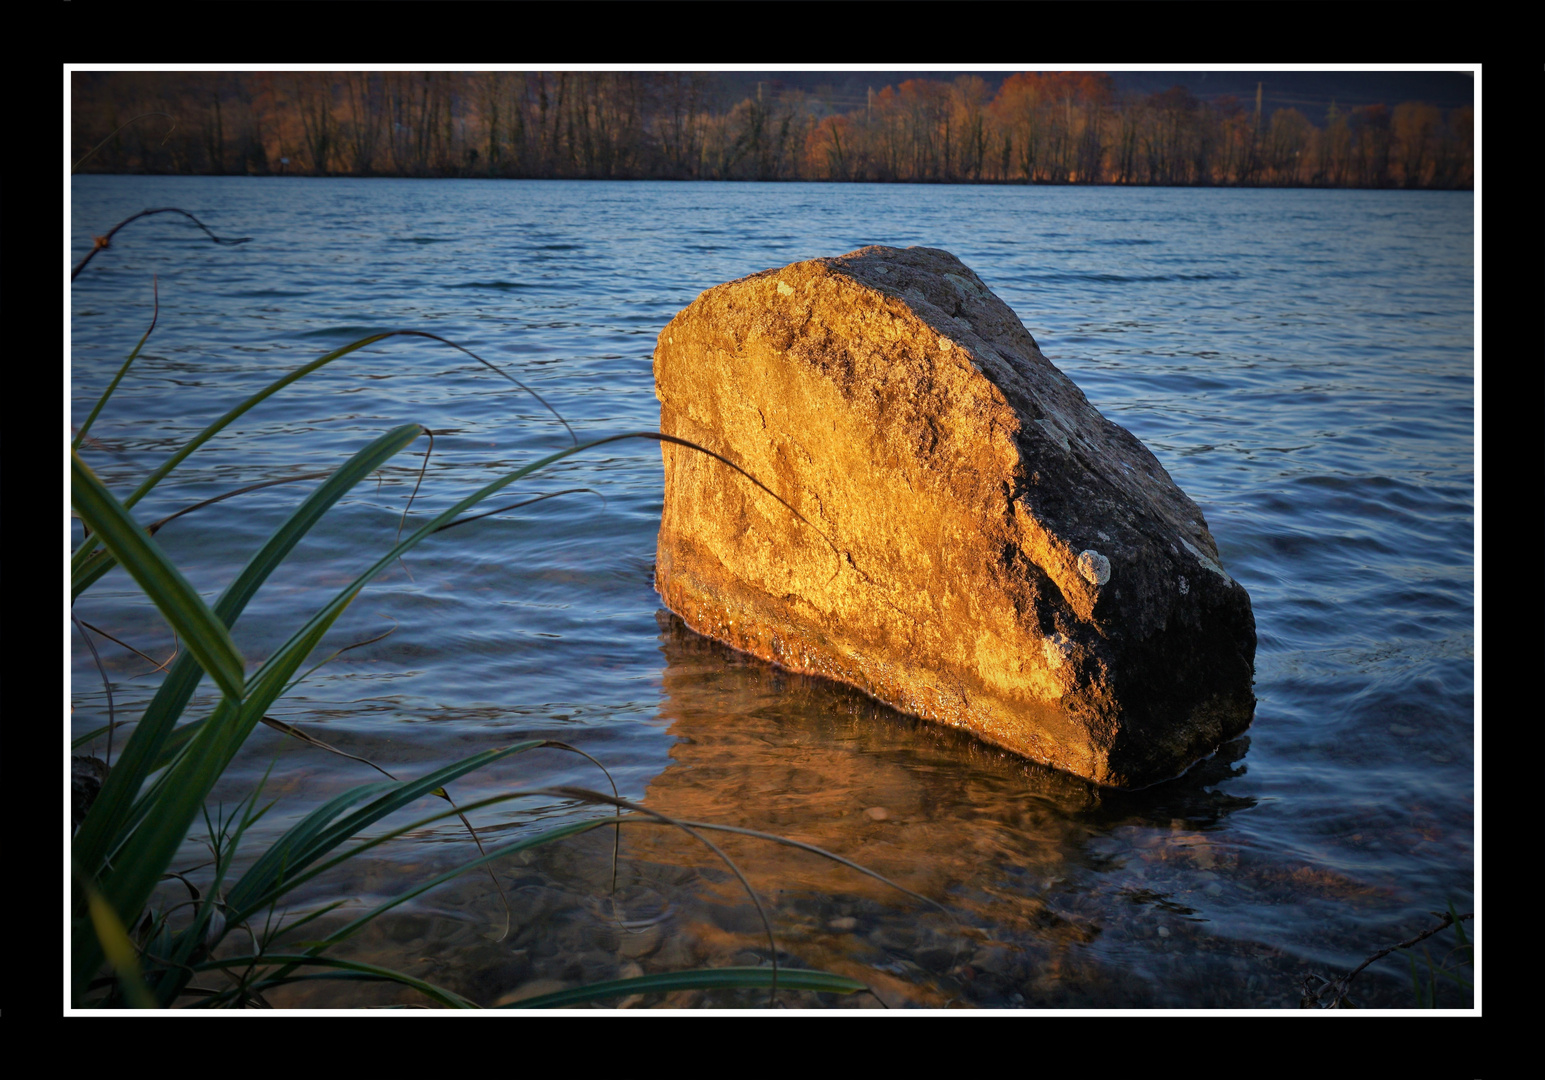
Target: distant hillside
{"type": "Point", "coordinates": [1400, 129]}
{"type": "Point", "coordinates": [1310, 92]}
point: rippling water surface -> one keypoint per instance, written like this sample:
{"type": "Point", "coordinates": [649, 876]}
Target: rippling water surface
{"type": "Point", "coordinates": [1300, 361]}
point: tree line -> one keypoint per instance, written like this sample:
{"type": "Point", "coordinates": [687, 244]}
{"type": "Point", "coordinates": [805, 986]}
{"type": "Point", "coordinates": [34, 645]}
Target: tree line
{"type": "Point", "coordinates": [1045, 128]}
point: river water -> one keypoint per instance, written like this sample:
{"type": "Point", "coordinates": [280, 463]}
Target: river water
{"type": "Point", "coordinates": [1302, 363]}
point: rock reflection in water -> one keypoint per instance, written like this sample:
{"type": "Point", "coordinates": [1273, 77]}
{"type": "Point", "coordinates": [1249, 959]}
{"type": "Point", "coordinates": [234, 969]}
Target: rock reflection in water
{"type": "Point", "coordinates": [1003, 844]}
{"type": "Point", "coordinates": [1056, 893]}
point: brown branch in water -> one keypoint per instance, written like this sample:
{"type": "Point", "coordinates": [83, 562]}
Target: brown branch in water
{"type": "Point", "coordinates": [155, 526]}
{"type": "Point", "coordinates": [97, 444]}
{"type": "Point", "coordinates": [617, 832]}
{"type": "Point", "coordinates": [107, 239]}
{"type": "Point", "coordinates": [517, 506]}
{"type": "Point", "coordinates": [311, 740]}
{"type": "Point", "coordinates": [339, 652]}
{"type": "Point", "coordinates": [155, 665]}
{"type": "Point", "coordinates": [102, 671]}
{"type": "Point", "coordinates": [430, 449]}
{"type": "Point", "coordinates": [495, 369]}
{"type": "Point", "coordinates": [586, 795]}
{"type": "Point", "coordinates": [660, 436]}
{"type": "Point", "coordinates": [1338, 987]}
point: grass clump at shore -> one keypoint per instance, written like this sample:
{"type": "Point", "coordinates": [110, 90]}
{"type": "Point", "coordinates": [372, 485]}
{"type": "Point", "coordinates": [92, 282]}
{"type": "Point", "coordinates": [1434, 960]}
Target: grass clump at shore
{"type": "Point", "coordinates": [229, 942]}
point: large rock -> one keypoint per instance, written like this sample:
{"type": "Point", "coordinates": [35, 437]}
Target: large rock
{"type": "Point", "coordinates": [979, 546]}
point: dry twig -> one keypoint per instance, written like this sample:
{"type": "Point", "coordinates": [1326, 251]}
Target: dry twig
{"type": "Point", "coordinates": [105, 240]}
{"type": "Point", "coordinates": [1313, 997]}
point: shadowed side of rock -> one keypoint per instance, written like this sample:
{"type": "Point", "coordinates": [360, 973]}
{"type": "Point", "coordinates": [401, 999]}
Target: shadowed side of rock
{"type": "Point", "coordinates": [980, 546]}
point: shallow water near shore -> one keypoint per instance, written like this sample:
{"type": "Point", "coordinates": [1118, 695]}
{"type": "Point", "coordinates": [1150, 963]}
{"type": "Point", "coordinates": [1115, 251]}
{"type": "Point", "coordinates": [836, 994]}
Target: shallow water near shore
{"type": "Point", "coordinates": [1300, 361]}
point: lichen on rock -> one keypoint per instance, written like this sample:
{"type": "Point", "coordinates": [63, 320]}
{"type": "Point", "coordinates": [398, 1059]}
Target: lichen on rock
{"type": "Point", "coordinates": [974, 543]}
{"type": "Point", "coordinates": [1094, 567]}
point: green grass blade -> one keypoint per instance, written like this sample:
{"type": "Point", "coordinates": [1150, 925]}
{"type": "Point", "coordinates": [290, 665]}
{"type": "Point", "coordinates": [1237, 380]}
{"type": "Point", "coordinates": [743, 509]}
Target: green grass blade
{"type": "Point", "coordinates": [273, 675]}
{"type": "Point", "coordinates": [435, 524]}
{"type": "Point", "coordinates": [726, 978]}
{"type": "Point", "coordinates": [85, 552]}
{"type": "Point", "coordinates": [299, 837]}
{"type": "Point", "coordinates": [310, 916]}
{"type": "Point", "coordinates": [163, 817]}
{"type": "Point", "coordinates": [486, 857]}
{"type": "Point", "coordinates": [93, 735]}
{"type": "Point", "coordinates": [90, 571]}
{"type": "Point", "coordinates": [224, 841]}
{"type": "Point", "coordinates": [232, 414]}
{"type": "Point", "coordinates": [101, 401]}
{"type": "Point", "coordinates": [547, 837]}
{"type": "Point", "coordinates": [1416, 982]}
{"type": "Point", "coordinates": [1459, 926]}
{"type": "Point", "coordinates": [151, 846]}
{"type": "Point", "coordinates": [261, 984]}
{"type": "Point", "coordinates": [277, 862]}
{"type": "Point", "coordinates": [174, 746]}
{"type": "Point", "coordinates": [114, 942]}
{"type": "Point", "coordinates": [219, 424]}
{"type": "Point", "coordinates": [208, 640]}
{"type": "Point", "coordinates": [285, 655]}
{"type": "Point", "coordinates": [169, 809]}
{"type": "Point", "coordinates": [543, 838]}
{"type": "Point", "coordinates": [282, 657]}
{"type": "Point", "coordinates": [177, 742]}
{"type": "Point", "coordinates": [142, 755]}
{"type": "Point", "coordinates": [318, 833]}
{"type": "Point", "coordinates": [440, 994]}
{"type": "Point", "coordinates": [1451, 977]}
{"type": "Point", "coordinates": [175, 802]}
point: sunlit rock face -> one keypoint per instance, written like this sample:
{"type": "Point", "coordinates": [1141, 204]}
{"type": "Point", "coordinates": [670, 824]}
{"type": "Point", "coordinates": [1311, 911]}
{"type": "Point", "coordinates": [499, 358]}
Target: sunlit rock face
{"type": "Point", "coordinates": [970, 541]}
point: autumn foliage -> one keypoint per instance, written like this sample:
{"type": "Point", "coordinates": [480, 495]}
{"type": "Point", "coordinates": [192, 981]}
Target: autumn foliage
{"type": "Point", "coordinates": [1038, 127]}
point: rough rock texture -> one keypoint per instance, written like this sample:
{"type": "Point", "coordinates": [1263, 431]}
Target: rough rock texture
{"type": "Point", "coordinates": [980, 546]}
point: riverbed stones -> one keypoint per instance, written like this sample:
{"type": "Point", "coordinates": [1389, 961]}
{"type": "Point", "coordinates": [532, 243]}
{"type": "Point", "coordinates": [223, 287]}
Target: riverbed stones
{"type": "Point", "coordinates": [946, 524]}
